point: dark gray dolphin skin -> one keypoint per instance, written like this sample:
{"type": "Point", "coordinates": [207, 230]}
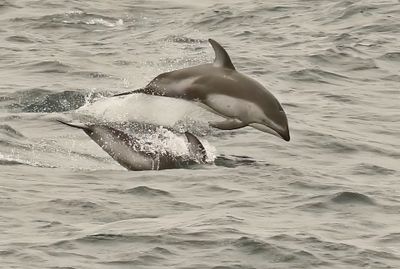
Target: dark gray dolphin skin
{"type": "Point", "coordinates": [224, 91]}
{"type": "Point", "coordinates": [126, 150]}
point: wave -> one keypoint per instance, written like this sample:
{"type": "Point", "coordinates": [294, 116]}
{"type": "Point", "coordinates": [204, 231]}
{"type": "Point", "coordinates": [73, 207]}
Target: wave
{"type": "Point", "coordinates": [345, 60]}
{"type": "Point", "coordinates": [146, 191]}
{"type": "Point", "coordinates": [219, 189]}
{"type": "Point", "coordinates": [95, 211]}
{"type": "Point", "coordinates": [275, 253]}
{"type": "Point", "coordinates": [6, 4]}
{"type": "Point", "coordinates": [380, 28]}
{"type": "Point", "coordinates": [48, 67]}
{"type": "Point", "coordinates": [12, 160]}
{"type": "Point", "coordinates": [155, 255]}
{"type": "Point", "coordinates": [354, 10]}
{"type": "Point", "coordinates": [184, 39]}
{"type": "Point", "coordinates": [45, 101]}
{"type": "Point", "coordinates": [348, 197]}
{"type": "Point", "coordinates": [78, 204]}
{"type": "Point", "coordinates": [8, 161]}
{"type": "Point", "coordinates": [72, 19]}
{"type": "Point", "coordinates": [315, 75]}
{"type": "Point", "coordinates": [391, 56]}
{"type": "Point", "coordinates": [299, 184]}
{"type": "Point", "coordinates": [9, 131]}
{"type": "Point", "coordinates": [56, 66]}
{"type": "Point", "coordinates": [391, 238]}
{"type": "Point", "coordinates": [337, 201]}
{"type": "Point", "coordinates": [20, 39]}
{"type": "Point", "coordinates": [91, 74]}
{"type": "Point", "coordinates": [395, 78]}
{"type": "Point", "coordinates": [373, 169]}
{"type": "Point", "coordinates": [131, 237]}
{"type": "Point", "coordinates": [234, 161]}
{"type": "Point", "coordinates": [331, 143]}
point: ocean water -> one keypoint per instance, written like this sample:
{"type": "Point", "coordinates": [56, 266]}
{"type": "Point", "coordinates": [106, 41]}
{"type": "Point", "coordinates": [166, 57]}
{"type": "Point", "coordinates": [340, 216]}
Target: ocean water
{"type": "Point", "coordinates": [329, 198]}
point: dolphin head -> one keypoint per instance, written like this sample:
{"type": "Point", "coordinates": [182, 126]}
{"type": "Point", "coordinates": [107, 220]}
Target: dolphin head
{"type": "Point", "coordinates": [272, 118]}
{"type": "Point", "coordinates": [276, 120]}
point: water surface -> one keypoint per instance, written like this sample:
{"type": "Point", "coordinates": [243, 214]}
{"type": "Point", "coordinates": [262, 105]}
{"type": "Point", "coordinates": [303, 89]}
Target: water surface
{"type": "Point", "coordinates": [330, 198]}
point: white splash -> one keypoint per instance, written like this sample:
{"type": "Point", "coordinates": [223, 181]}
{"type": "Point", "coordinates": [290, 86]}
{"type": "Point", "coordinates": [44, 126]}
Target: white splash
{"type": "Point", "coordinates": [161, 111]}
{"type": "Point", "coordinates": [99, 21]}
{"type": "Point", "coordinates": [144, 108]}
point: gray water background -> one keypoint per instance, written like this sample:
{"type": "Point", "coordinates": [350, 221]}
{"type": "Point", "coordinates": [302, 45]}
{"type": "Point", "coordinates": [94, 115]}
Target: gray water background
{"type": "Point", "coordinates": [330, 198]}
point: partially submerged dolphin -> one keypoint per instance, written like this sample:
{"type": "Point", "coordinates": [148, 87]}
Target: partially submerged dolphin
{"type": "Point", "coordinates": [226, 92]}
{"type": "Point", "coordinates": [129, 153]}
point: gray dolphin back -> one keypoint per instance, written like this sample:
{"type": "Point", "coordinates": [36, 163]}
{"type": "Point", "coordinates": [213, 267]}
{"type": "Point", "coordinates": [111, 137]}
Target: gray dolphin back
{"type": "Point", "coordinates": [196, 148]}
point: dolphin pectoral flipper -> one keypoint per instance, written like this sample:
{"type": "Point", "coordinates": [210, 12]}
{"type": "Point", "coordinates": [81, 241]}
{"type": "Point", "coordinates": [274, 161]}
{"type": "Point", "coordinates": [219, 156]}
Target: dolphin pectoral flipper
{"type": "Point", "coordinates": [228, 124]}
{"type": "Point", "coordinates": [196, 149]}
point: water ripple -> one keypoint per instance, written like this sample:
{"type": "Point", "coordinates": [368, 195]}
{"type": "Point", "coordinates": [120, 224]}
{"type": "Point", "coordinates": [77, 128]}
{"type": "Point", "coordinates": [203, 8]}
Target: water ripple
{"type": "Point", "coordinates": [146, 191]}
{"type": "Point", "coordinates": [347, 197]}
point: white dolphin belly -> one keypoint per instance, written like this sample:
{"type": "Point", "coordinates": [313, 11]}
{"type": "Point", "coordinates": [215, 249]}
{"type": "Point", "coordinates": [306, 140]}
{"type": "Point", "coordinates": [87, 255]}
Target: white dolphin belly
{"type": "Point", "coordinates": [232, 107]}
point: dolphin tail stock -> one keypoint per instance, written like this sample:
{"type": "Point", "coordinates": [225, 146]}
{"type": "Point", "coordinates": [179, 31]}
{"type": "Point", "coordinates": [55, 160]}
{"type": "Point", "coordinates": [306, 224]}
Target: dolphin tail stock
{"type": "Point", "coordinates": [75, 125]}
{"type": "Point", "coordinates": [196, 148]}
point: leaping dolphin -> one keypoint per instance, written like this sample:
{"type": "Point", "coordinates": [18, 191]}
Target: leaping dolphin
{"type": "Point", "coordinates": [224, 91]}
{"type": "Point", "coordinates": [128, 152]}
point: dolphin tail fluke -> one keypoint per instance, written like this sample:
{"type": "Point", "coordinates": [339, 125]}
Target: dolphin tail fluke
{"type": "Point", "coordinates": [196, 148]}
{"type": "Point", "coordinates": [74, 125]}
{"type": "Point", "coordinates": [142, 90]}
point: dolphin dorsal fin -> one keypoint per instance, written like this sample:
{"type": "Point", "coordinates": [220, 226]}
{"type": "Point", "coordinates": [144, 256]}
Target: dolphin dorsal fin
{"type": "Point", "coordinates": [222, 58]}
{"type": "Point", "coordinates": [196, 149]}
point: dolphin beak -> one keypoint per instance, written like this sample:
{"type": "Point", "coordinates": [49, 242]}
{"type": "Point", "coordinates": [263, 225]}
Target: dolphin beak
{"type": "Point", "coordinates": [282, 129]}
{"type": "Point", "coordinates": [285, 135]}
{"type": "Point", "coordinates": [281, 132]}
{"type": "Point", "coordinates": [275, 130]}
